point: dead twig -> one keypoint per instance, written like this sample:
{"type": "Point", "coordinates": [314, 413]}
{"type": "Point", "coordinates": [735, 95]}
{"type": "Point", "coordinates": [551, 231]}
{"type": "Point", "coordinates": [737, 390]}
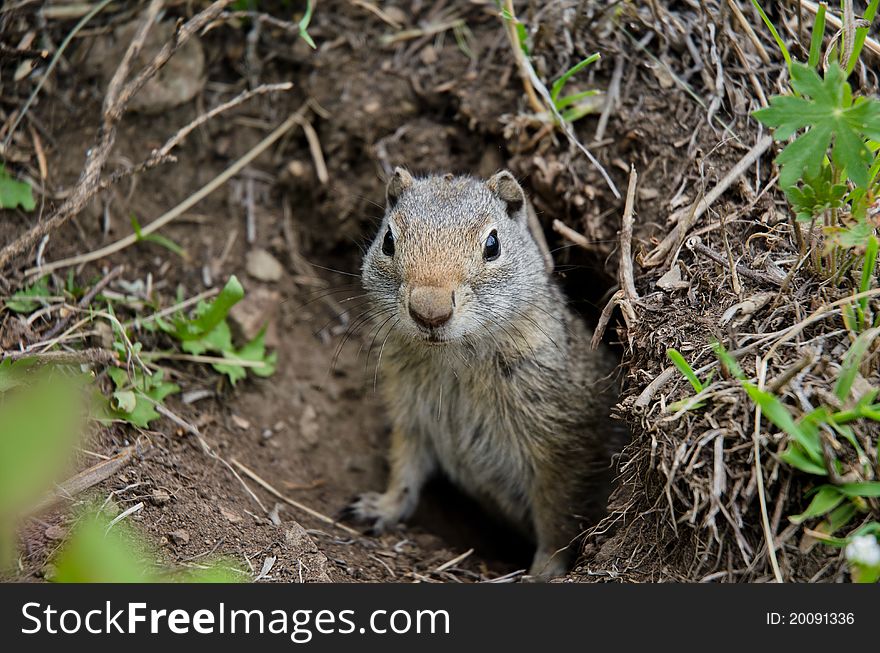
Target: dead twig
{"type": "Point", "coordinates": [96, 357]}
{"type": "Point", "coordinates": [687, 217]}
{"type": "Point", "coordinates": [625, 267]}
{"type": "Point", "coordinates": [741, 269]}
{"type": "Point", "coordinates": [90, 477]}
{"type": "Point", "coordinates": [627, 295]}
{"type": "Point", "coordinates": [871, 44]}
{"type": "Point", "coordinates": [178, 210]}
{"type": "Point", "coordinates": [115, 102]}
{"type": "Point", "coordinates": [574, 236]}
{"type": "Point", "coordinates": [163, 154]}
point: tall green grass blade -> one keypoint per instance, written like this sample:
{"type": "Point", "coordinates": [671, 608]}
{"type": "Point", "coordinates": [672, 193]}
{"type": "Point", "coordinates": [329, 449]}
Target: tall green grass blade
{"type": "Point", "coordinates": [779, 415]}
{"type": "Point", "coordinates": [795, 457]}
{"type": "Point", "coordinates": [304, 25]}
{"type": "Point", "coordinates": [728, 361]}
{"type": "Point", "coordinates": [861, 35]}
{"type": "Point", "coordinates": [683, 367]}
{"type": "Point", "coordinates": [818, 36]}
{"type": "Point", "coordinates": [868, 267]}
{"type": "Point", "coordinates": [779, 42]}
{"type": "Point", "coordinates": [575, 98]}
{"type": "Point", "coordinates": [863, 489]}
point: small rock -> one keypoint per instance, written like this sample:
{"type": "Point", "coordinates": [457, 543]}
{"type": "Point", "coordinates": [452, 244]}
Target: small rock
{"type": "Point", "coordinates": [428, 55]}
{"type": "Point", "coordinates": [258, 309]}
{"type": "Point", "coordinates": [180, 80]}
{"type": "Point", "coordinates": [263, 266]}
{"type": "Point", "coordinates": [241, 422]}
{"type": "Point", "coordinates": [56, 533]}
{"type": "Point", "coordinates": [179, 536]}
{"type": "Point", "coordinates": [672, 280]}
{"type": "Point", "coordinates": [308, 425]}
{"type": "Point", "coordinates": [231, 515]}
{"type": "Point", "coordinates": [299, 540]}
{"type": "Point", "coordinates": [159, 497]}
{"type": "Point", "coordinates": [267, 434]}
{"type": "Point", "coordinates": [396, 15]}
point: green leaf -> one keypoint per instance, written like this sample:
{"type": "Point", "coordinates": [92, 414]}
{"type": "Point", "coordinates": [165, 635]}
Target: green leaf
{"type": "Point", "coordinates": [832, 119]}
{"type": "Point", "coordinates": [869, 265]}
{"type": "Point", "coordinates": [218, 340]}
{"type": "Point", "coordinates": [852, 360]}
{"type": "Point", "coordinates": [861, 35]}
{"type": "Point", "coordinates": [146, 392]}
{"type": "Point", "coordinates": [560, 83]}
{"type": "Point", "coordinates": [778, 414]}
{"type": "Point", "coordinates": [15, 193]}
{"type": "Point", "coordinates": [217, 310]}
{"type": "Point", "coordinates": [837, 519]}
{"type": "Point", "coordinates": [252, 352]}
{"type": "Point", "coordinates": [817, 37]}
{"type": "Point", "coordinates": [41, 415]}
{"type": "Point", "coordinates": [96, 553]}
{"type": "Point", "coordinates": [574, 98]}
{"type": "Point", "coordinates": [728, 361]}
{"type": "Point", "coordinates": [158, 239]}
{"type": "Point", "coordinates": [863, 489]}
{"type": "Point", "coordinates": [817, 195]}
{"type": "Point", "coordinates": [795, 457]}
{"type": "Point", "coordinates": [522, 36]}
{"type": "Point", "coordinates": [826, 499]}
{"type": "Point", "coordinates": [209, 316]}
{"type": "Point", "coordinates": [21, 301]}
{"type": "Point", "coordinates": [683, 367]}
{"type": "Point", "coordinates": [124, 400]}
{"type": "Point", "coordinates": [304, 25]}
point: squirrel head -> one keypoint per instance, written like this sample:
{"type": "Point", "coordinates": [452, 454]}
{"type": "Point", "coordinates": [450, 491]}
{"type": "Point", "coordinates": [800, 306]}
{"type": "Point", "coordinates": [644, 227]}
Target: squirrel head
{"type": "Point", "coordinates": [453, 259]}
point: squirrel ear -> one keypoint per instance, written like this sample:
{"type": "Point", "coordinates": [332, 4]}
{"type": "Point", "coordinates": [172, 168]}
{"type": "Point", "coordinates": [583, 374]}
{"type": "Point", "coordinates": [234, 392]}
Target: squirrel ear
{"type": "Point", "coordinates": [506, 188]}
{"type": "Point", "coordinates": [399, 182]}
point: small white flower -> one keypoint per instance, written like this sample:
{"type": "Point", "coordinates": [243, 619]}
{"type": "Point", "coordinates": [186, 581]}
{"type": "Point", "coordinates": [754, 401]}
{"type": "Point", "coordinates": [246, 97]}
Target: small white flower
{"type": "Point", "coordinates": [864, 550]}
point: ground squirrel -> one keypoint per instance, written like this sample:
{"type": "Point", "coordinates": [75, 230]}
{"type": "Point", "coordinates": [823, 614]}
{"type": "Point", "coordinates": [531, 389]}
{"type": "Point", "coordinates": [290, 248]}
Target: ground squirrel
{"type": "Point", "coordinates": [488, 376]}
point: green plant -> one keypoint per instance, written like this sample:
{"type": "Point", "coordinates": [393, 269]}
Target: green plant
{"type": "Point", "coordinates": [829, 171]}
{"type": "Point", "coordinates": [304, 25]}
{"type": "Point", "coordinates": [688, 372]}
{"type": "Point", "coordinates": [571, 107]}
{"type": "Point", "coordinates": [817, 444]}
{"type": "Point", "coordinates": [158, 239]}
{"type": "Point", "coordinates": [28, 300]}
{"type": "Point", "coordinates": [15, 193]}
{"type": "Point", "coordinates": [208, 332]}
{"type": "Point", "coordinates": [136, 395]}
{"type": "Point", "coordinates": [41, 416]}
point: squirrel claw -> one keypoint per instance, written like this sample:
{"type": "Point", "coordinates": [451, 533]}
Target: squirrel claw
{"type": "Point", "coordinates": [373, 510]}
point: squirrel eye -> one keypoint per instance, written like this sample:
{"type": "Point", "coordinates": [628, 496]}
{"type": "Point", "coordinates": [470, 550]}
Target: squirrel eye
{"type": "Point", "coordinates": [492, 248]}
{"type": "Point", "coordinates": [388, 243]}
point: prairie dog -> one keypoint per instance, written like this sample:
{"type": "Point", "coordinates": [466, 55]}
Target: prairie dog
{"type": "Point", "coordinates": [487, 374]}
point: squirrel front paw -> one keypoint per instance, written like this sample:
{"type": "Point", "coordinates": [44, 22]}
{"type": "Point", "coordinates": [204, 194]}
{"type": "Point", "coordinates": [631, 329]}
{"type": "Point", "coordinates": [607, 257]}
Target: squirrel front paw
{"type": "Point", "coordinates": [380, 512]}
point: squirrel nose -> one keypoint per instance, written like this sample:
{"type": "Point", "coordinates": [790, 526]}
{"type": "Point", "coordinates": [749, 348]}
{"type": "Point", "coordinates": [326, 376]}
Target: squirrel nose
{"type": "Point", "coordinates": [431, 306]}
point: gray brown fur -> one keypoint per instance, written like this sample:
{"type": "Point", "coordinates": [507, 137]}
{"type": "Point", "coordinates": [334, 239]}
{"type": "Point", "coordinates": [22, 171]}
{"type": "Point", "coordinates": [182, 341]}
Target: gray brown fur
{"type": "Point", "coordinates": [506, 397]}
